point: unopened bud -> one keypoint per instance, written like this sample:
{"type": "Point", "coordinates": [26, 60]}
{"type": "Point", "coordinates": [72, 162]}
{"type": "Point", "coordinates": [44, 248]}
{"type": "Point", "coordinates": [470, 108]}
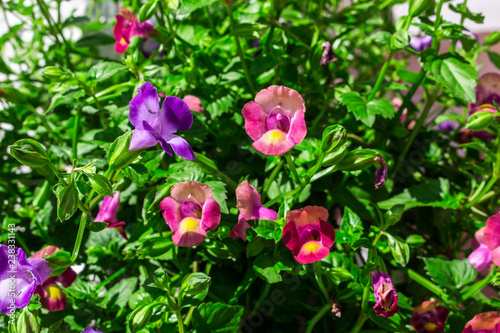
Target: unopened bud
{"type": "Point", "coordinates": [357, 160]}
{"type": "Point", "coordinates": [479, 120]}
{"type": "Point", "coordinates": [140, 317]}
{"type": "Point", "coordinates": [195, 283]}
{"type": "Point", "coordinates": [29, 152]}
{"type": "Point", "coordinates": [27, 322]}
{"type": "Point", "coordinates": [334, 136]}
{"type": "Point", "coordinates": [55, 73]}
{"type": "Point", "coordinates": [119, 156]}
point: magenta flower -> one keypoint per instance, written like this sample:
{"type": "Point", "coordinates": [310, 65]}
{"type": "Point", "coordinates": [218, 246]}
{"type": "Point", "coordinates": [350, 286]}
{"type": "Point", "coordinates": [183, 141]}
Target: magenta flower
{"type": "Point", "coordinates": [492, 237]}
{"type": "Point", "coordinates": [107, 213]}
{"type": "Point", "coordinates": [385, 294]}
{"type": "Point", "coordinates": [190, 212]}
{"type": "Point", "coordinates": [328, 54]}
{"type": "Point", "coordinates": [27, 274]}
{"type": "Point", "coordinates": [153, 126]}
{"type": "Point", "coordinates": [250, 207]}
{"type": "Point", "coordinates": [480, 258]}
{"type": "Point", "coordinates": [275, 121]}
{"type": "Point", "coordinates": [51, 295]}
{"type": "Point", "coordinates": [420, 43]}
{"type": "Point", "coordinates": [487, 92]}
{"type": "Point", "coordinates": [488, 322]}
{"type": "Point", "coordinates": [429, 317]}
{"type": "Point", "coordinates": [381, 172]}
{"type": "Point", "coordinates": [307, 234]}
{"type": "Point", "coordinates": [126, 27]}
{"type": "Point", "coordinates": [194, 103]}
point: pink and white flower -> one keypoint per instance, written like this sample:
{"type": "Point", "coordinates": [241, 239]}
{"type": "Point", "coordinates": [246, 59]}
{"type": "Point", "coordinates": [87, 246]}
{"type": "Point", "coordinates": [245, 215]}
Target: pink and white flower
{"type": "Point", "coordinates": [127, 26]}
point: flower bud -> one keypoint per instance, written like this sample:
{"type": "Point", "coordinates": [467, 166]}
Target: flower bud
{"type": "Point", "coordinates": [55, 73]}
{"type": "Point", "coordinates": [118, 155]}
{"type": "Point", "coordinates": [195, 283]}
{"type": "Point", "coordinates": [101, 184]}
{"type": "Point", "coordinates": [147, 10]}
{"type": "Point", "coordinates": [357, 160]}
{"type": "Point", "coordinates": [335, 156]}
{"type": "Point", "coordinates": [29, 152]}
{"type": "Point", "coordinates": [333, 137]}
{"type": "Point", "coordinates": [417, 7]}
{"type": "Point", "coordinates": [27, 322]}
{"type": "Point", "coordinates": [140, 317]}
{"type": "Point", "coordinates": [479, 120]}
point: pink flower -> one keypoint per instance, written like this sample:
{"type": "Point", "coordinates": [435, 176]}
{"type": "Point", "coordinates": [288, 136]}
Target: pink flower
{"type": "Point", "coordinates": [429, 317]}
{"type": "Point", "coordinates": [307, 234]}
{"type": "Point", "coordinates": [190, 212]}
{"type": "Point", "coordinates": [492, 237]}
{"type": "Point", "coordinates": [51, 295]}
{"type": "Point", "coordinates": [194, 103]}
{"type": "Point", "coordinates": [275, 121]}
{"type": "Point", "coordinates": [107, 213]}
{"type": "Point", "coordinates": [487, 92]}
{"type": "Point", "coordinates": [480, 258]}
{"type": "Point", "coordinates": [126, 27]}
{"type": "Point", "coordinates": [488, 322]}
{"type": "Point", "coordinates": [250, 207]}
{"type": "Point", "coordinates": [385, 294]}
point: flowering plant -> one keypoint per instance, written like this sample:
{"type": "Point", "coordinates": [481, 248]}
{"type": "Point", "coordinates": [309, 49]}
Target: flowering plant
{"type": "Point", "coordinates": [249, 166]}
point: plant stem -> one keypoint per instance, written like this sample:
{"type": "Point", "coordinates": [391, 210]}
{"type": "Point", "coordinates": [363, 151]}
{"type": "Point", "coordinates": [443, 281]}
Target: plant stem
{"type": "Point", "coordinates": [269, 180]}
{"type": "Point", "coordinates": [478, 286]}
{"type": "Point", "coordinates": [178, 314]}
{"type": "Point", "coordinates": [317, 274]}
{"type": "Point", "coordinates": [381, 76]}
{"type": "Point", "coordinates": [79, 237]}
{"type": "Point", "coordinates": [112, 277]}
{"type": "Point", "coordinates": [75, 132]}
{"type": "Point", "coordinates": [58, 175]}
{"type": "Point", "coordinates": [239, 49]}
{"type": "Point", "coordinates": [424, 282]}
{"type": "Point", "coordinates": [291, 165]}
{"type": "Point", "coordinates": [318, 316]}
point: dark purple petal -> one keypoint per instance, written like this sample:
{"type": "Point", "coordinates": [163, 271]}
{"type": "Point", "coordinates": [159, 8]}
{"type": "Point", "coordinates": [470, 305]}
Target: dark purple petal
{"type": "Point", "coordinates": [149, 46]}
{"type": "Point", "coordinates": [175, 116]}
{"type": "Point", "coordinates": [181, 147]}
{"type": "Point", "coordinates": [381, 172]}
{"type": "Point", "coordinates": [144, 107]}
{"type": "Point", "coordinates": [91, 330]}
{"type": "Point", "coordinates": [67, 277]}
{"type": "Point", "coordinates": [385, 294]}
{"type": "Point", "coordinates": [328, 54]}
{"type": "Point", "coordinates": [142, 139]}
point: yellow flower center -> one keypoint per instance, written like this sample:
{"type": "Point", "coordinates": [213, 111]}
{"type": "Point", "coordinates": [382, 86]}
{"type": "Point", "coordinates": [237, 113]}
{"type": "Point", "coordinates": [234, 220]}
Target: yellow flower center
{"type": "Point", "coordinates": [54, 292]}
{"type": "Point", "coordinates": [189, 225]}
{"type": "Point", "coordinates": [431, 326]}
{"type": "Point", "coordinates": [311, 247]}
{"type": "Point", "coordinates": [275, 136]}
{"type": "Point", "coordinates": [123, 41]}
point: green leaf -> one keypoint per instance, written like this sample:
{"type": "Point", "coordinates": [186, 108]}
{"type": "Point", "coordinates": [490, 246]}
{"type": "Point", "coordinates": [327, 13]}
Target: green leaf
{"type": "Point", "coordinates": [97, 226]}
{"type": "Point", "coordinates": [399, 249]}
{"type": "Point", "coordinates": [357, 105]}
{"type": "Point", "coordinates": [219, 189]}
{"type": "Point", "coordinates": [118, 296]}
{"type": "Point", "coordinates": [340, 274]}
{"type": "Point", "coordinates": [415, 240]}
{"type": "Point", "coordinates": [189, 6]}
{"type": "Point", "coordinates": [217, 318]}
{"type": "Point", "coordinates": [381, 107]}
{"type": "Point", "coordinates": [104, 70]}
{"type": "Point", "coordinates": [495, 58]}
{"type": "Point", "coordinates": [269, 269]}
{"type": "Point", "coordinates": [459, 77]}
{"type": "Point", "coordinates": [459, 8]}
{"type": "Point", "coordinates": [351, 226]}
{"type": "Point", "coordinates": [450, 274]}
{"type": "Point", "coordinates": [67, 202]}
{"type": "Point", "coordinates": [95, 39]}
{"type": "Point", "coordinates": [492, 38]}
{"type": "Point", "coordinates": [101, 184]}
{"type": "Point", "coordinates": [435, 193]}
{"type": "Point", "coordinates": [194, 288]}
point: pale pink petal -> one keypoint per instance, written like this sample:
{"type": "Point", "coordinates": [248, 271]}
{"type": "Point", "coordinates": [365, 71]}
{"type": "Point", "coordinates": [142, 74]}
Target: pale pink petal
{"type": "Point", "coordinates": [248, 200]}
{"type": "Point", "coordinates": [194, 103]}
{"type": "Point", "coordinates": [307, 215]}
{"type": "Point", "coordinates": [289, 99]}
{"type": "Point", "coordinates": [267, 214]}
{"type": "Point", "coordinates": [273, 142]}
{"type": "Point", "coordinates": [193, 189]}
{"type": "Point", "coordinates": [240, 229]}
{"type": "Point", "coordinates": [480, 258]}
{"type": "Point", "coordinates": [49, 250]}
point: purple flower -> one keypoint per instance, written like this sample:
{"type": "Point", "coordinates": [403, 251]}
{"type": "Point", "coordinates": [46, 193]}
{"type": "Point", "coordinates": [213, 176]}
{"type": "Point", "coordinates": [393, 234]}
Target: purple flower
{"type": "Point", "coordinates": [250, 207]}
{"type": "Point", "coordinates": [91, 330]}
{"type": "Point", "coordinates": [421, 43]}
{"type": "Point", "coordinates": [328, 54]}
{"type": "Point", "coordinates": [447, 125]}
{"type": "Point", "coordinates": [480, 258]}
{"type": "Point", "coordinates": [385, 294]}
{"type": "Point", "coordinates": [381, 172]}
{"type": "Point", "coordinates": [429, 317]}
{"type": "Point", "coordinates": [107, 213]}
{"type": "Point", "coordinates": [27, 273]}
{"type": "Point", "coordinates": [487, 92]}
{"type": "Point", "coordinates": [153, 126]}
{"type": "Point", "coordinates": [149, 46]}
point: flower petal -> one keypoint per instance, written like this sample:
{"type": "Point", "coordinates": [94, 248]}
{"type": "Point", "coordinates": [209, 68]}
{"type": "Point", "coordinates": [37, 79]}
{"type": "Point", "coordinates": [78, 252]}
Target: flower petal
{"type": "Point", "coordinates": [67, 277]}
{"type": "Point", "coordinates": [255, 120]}
{"type": "Point", "coordinates": [307, 215]}
{"type": "Point", "coordinates": [240, 229]}
{"type": "Point", "coordinates": [267, 214]}
{"type": "Point", "coordinates": [480, 258]}
{"type": "Point", "coordinates": [40, 269]}
{"type": "Point", "coordinates": [327, 234]}
{"type": "Point", "coordinates": [109, 209]}
{"type": "Point", "coordinates": [171, 212]}
{"type": "Point", "coordinates": [174, 116]}
{"type": "Point", "coordinates": [484, 322]}
{"type": "Point", "coordinates": [312, 251]}
{"type": "Point", "coordinates": [194, 103]}
{"type": "Point", "coordinates": [289, 99]}
{"type": "Point", "coordinates": [290, 237]}
{"type": "Point", "coordinates": [495, 256]}
{"type": "Point", "coordinates": [144, 107]}
{"type": "Point", "coordinates": [248, 200]}
{"type": "Point", "coordinates": [210, 215]}
{"type": "Point", "coordinates": [49, 250]}
{"type": "Point", "coordinates": [492, 232]}
{"type": "Point", "coordinates": [298, 128]}
{"type": "Point", "coordinates": [119, 27]}
{"type": "Point", "coordinates": [53, 298]}
{"type": "Point", "coordinates": [193, 189]}
{"type": "Point", "coordinates": [181, 147]}
{"type": "Point", "coordinates": [142, 139]}
{"type": "Point", "coordinates": [189, 233]}
{"type": "Point", "coordinates": [273, 142]}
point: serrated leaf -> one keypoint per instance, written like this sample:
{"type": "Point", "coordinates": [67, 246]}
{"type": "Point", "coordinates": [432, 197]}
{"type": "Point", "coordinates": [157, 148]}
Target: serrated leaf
{"type": "Point", "coordinates": [357, 105]}
{"type": "Point", "coordinates": [399, 249]}
{"type": "Point", "coordinates": [452, 274]}
{"type": "Point", "coordinates": [104, 70]}
{"type": "Point", "coordinates": [381, 107]}
{"type": "Point", "coordinates": [351, 226]}
{"type": "Point", "coordinates": [217, 318]}
{"type": "Point", "coordinates": [459, 77]}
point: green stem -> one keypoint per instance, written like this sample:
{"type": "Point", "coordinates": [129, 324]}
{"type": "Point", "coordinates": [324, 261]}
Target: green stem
{"type": "Point", "coordinates": [79, 237]}
{"type": "Point", "coordinates": [112, 277]}
{"type": "Point", "coordinates": [424, 282]}
{"type": "Point", "coordinates": [478, 196]}
{"type": "Point", "coordinates": [58, 175]}
{"type": "Point", "coordinates": [240, 50]}
{"type": "Point", "coordinates": [381, 77]}
{"type": "Point", "coordinates": [269, 180]}
{"type": "Point", "coordinates": [291, 165]}
{"type": "Point", "coordinates": [178, 314]}
{"type": "Point", "coordinates": [318, 316]}
{"type": "Point", "coordinates": [360, 322]}
{"type": "Point", "coordinates": [75, 133]}
{"type": "Point", "coordinates": [436, 42]}
{"type": "Point", "coordinates": [408, 97]}
{"type": "Point", "coordinates": [478, 286]}
{"type": "Point", "coordinates": [317, 274]}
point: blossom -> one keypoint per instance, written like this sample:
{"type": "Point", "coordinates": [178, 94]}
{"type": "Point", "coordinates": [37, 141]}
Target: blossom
{"type": "Point", "coordinates": [153, 126]}
{"type": "Point", "coordinates": [381, 172]}
{"type": "Point", "coordinates": [127, 26]}
{"type": "Point", "coordinates": [487, 322]}
{"type": "Point", "coordinates": [149, 46]}
{"type": "Point", "coordinates": [275, 121]}
{"type": "Point", "coordinates": [328, 54]}
{"type": "Point", "coordinates": [194, 103]}
{"type": "Point", "coordinates": [429, 317]}
{"type": "Point", "coordinates": [421, 43]}
{"type": "Point", "coordinates": [107, 213]}
{"type": "Point", "coordinates": [385, 294]}
{"type": "Point", "coordinates": [492, 237]}
{"type": "Point", "coordinates": [27, 273]}
{"type": "Point", "coordinates": [480, 258]}
{"type": "Point", "coordinates": [307, 234]}
{"type": "Point", "coordinates": [447, 125]}
{"type": "Point", "coordinates": [487, 92]}
{"type": "Point", "coordinates": [51, 295]}
{"type": "Point", "coordinates": [91, 330]}
{"type": "Point", "coordinates": [250, 207]}
{"type": "Point", "coordinates": [190, 212]}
